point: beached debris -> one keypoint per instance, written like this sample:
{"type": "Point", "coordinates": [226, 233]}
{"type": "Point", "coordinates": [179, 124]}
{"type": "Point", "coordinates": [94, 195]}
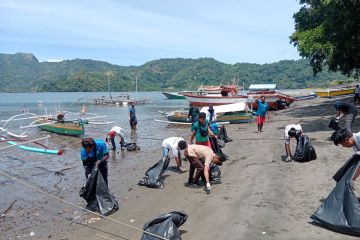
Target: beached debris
{"type": "Point", "coordinates": [215, 173]}
{"type": "Point", "coordinates": [304, 151]}
{"type": "Point", "coordinates": [97, 195]}
{"type": "Point", "coordinates": [8, 208]}
{"type": "Point", "coordinates": [165, 225]}
{"type": "Point", "coordinates": [340, 211]}
{"type": "Point", "coordinates": [153, 176]}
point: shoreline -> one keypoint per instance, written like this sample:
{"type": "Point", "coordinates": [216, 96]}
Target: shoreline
{"type": "Point", "coordinates": [260, 197]}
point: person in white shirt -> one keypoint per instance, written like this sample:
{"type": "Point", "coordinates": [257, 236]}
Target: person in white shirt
{"type": "Point", "coordinates": [211, 114]}
{"type": "Point", "coordinates": [348, 139]}
{"type": "Point", "coordinates": [116, 130]}
{"type": "Point", "coordinates": [172, 143]}
{"type": "Point", "coordinates": [291, 131]}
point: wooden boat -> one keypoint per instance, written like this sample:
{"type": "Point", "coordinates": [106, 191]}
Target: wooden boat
{"type": "Point", "coordinates": [174, 95]}
{"type": "Point", "coordinates": [70, 128]}
{"type": "Point", "coordinates": [333, 92]}
{"type": "Point", "coordinates": [232, 113]}
{"type": "Point", "coordinates": [228, 96]}
{"type": "Point", "coordinates": [275, 99]}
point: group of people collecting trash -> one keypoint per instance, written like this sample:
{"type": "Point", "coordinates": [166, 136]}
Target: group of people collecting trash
{"type": "Point", "coordinates": [203, 152]}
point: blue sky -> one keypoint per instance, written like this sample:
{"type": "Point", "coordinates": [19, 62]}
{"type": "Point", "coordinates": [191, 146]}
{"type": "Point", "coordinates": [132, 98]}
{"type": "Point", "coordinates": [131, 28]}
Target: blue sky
{"type": "Point", "coordinates": [133, 32]}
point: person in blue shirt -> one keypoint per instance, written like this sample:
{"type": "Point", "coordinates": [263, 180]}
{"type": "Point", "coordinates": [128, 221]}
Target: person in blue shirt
{"type": "Point", "coordinates": [94, 153]}
{"type": "Point", "coordinates": [132, 116]}
{"type": "Point", "coordinates": [262, 111]}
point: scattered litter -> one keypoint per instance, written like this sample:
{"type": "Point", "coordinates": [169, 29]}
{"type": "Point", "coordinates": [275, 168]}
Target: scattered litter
{"type": "Point", "coordinates": [263, 233]}
{"type": "Point", "coordinates": [92, 220]}
{"type": "Point", "coordinates": [32, 234]}
{"type": "Point", "coordinates": [132, 220]}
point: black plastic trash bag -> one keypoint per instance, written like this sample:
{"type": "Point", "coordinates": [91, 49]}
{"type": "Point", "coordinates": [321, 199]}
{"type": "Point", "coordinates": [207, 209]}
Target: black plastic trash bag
{"type": "Point", "coordinates": [223, 134]}
{"type": "Point", "coordinates": [304, 151]}
{"type": "Point", "coordinates": [165, 226]}
{"type": "Point", "coordinates": [131, 146]}
{"type": "Point", "coordinates": [340, 211]}
{"type": "Point", "coordinates": [97, 194]}
{"type": "Point", "coordinates": [215, 173]}
{"type": "Point", "coordinates": [214, 145]}
{"type": "Point", "coordinates": [334, 124]}
{"type": "Point", "coordinates": [153, 176]}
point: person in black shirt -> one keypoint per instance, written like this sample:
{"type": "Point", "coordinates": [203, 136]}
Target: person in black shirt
{"type": "Point", "coordinates": [346, 110]}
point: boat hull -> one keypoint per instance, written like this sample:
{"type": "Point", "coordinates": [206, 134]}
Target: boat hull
{"type": "Point", "coordinates": [171, 95]}
{"type": "Point", "coordinates": [333, 93]}
{"type": "Point", "coordinates": [232, 118]}
{"type": "Point", "coordinates": [206, 100]}
{"type": "Point", "coordinates": [63, 128]}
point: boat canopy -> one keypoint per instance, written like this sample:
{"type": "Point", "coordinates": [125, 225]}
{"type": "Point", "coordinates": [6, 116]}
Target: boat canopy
{"type": "Point", "coordinates": [258, 87]}
{"type": "Point", "coordinates": [235, 107]}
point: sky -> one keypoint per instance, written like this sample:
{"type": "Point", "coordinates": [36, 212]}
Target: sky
{"type": "Point", "coordinates": [133, 32]}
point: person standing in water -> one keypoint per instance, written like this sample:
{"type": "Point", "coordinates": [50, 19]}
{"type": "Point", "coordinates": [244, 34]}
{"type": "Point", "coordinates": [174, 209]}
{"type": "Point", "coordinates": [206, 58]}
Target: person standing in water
{"type": "Point", "coordinates": [132, 116]}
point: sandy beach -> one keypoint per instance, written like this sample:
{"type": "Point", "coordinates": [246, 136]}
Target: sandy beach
{"type": "Point", "coordinates": [260, 197]}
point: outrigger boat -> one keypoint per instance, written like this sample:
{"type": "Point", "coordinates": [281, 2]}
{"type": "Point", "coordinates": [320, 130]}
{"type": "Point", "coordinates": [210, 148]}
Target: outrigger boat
{"type": "Point", "coordinates": [335, 91]}
{"type": "Point", "coordinates": [44, 149]}
{"type": "Point", "coordinates": [232, 113]}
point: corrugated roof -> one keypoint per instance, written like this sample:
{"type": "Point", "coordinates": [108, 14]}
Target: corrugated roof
{"type": "Point", "coordinates": [262, 86]}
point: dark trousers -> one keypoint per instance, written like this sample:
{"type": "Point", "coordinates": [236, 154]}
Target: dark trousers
{"type": "Point", "coordinates": [357, 98]}
{"type": "Point", "coordinates": [112, 140]}
{"type": "Point", "coordinates": [103, 168]}
{"type": "Point", "coordinates": [197, 164]}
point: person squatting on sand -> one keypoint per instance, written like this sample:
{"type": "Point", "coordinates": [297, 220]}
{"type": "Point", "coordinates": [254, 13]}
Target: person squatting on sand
{"type": "Point", "coordinates": [261, 112]}
{"type": "Point", "coordinates": [199, 158]}
{"type": "Point", "coordinates": [94, 153]}
{"type": "Point", "coordinates": [119, 131]}
{"type": "Point", "coordinates": [132, 116]}
{"type": "Point", "coordinates": [172, 143]}
{"type": "Point", "coordinates": [347, 110]}
{"type": "Point", "coordinates": [348, 139]}
{"type": "Point", "coordinates": [201, 131]}
{"type": "Point", "coordinates": [291, 131]}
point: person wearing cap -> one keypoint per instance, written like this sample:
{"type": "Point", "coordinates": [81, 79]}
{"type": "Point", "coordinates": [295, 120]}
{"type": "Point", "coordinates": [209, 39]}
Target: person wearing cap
{"type": "Point", "coordinates": [346, 110]}
{"type": "Point", "coordinates": [199, 158]}
{"type": "Point", "coordinates": [94, 153]}
{"type": "Point", "coordinates": [120, 132]}
{"type": "Point", "coordinates": [261, 112]}
{"type": "Point", "coordinates": [211, 114]}
{"type": "Point", "coordinates": [132, 116]}
{"type": "Point", "coordinates": [201, 131]}
{"type": "Point", "coordinates": [172, 143]}
{"type": "Point", "coordinates": [291, 131]}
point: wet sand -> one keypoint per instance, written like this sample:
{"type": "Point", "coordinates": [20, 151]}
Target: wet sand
{"type": "Point", "coordinates": [260, 197]}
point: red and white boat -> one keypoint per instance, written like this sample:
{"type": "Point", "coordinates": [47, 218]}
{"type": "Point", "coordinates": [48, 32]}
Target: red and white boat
{"type": "Point", "coordinates": [275, 99]}
{"type": "Point", "coordinates": [228, 95]}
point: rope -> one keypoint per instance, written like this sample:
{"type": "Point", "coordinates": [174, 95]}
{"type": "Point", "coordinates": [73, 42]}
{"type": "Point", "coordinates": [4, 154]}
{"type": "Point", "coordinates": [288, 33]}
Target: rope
{"type": "Point", "coordinates": [79, 207]}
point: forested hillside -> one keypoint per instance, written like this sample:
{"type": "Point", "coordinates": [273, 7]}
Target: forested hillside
{"type": "Point", "coordinates": [23, 72]}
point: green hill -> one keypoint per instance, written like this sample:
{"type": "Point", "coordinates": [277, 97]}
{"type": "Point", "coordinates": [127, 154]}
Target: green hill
{"type": "Point", "coordinates": [23, 72]}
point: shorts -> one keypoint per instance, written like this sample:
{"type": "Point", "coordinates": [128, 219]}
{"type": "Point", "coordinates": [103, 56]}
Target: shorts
{"type": "Point", "coordinates": [260, 119]}
{"type": "Point", "coordinates": [208, 144]}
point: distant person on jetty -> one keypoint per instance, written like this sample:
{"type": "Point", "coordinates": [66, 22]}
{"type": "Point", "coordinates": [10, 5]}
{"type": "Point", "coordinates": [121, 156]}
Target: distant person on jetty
{"type": "Point", "coordinates": [211, 114]}
{"type": "Point", "coordinates": [199, 158]}
{"type": "Point", "coordinates": [348, 139]}
{"type": "Point", "coordinates": [132, 116]}
{"type": "Point", "coordinates": [111, 135]}
{"type": "Point", "coordinates": [291, 131]}
{"type": "Point", "coordinates": [357, 95]}
{"type": "Point", "coordinates": [347, 110]}
{"type": "Point", "coordinates": [261, 113]}
{"type": "Point", "coordinates": [201, 131]}
{"type": "Point", "coordinates": [94, 153]}
{"type": "Point", "coordinates": [172, 143]}
{"type": "Point", "coordinates": [193, 113]}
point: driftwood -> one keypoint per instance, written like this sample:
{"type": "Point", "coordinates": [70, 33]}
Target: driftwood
{"type": "Point", "coordinates": [8, 208]}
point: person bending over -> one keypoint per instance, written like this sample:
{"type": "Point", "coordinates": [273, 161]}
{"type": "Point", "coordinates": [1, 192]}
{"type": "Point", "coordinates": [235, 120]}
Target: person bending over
{"type": "Point", "coordinates": [346, 110]}
{"type": "Point", "coordinates": [172, 143]}
{"type": "Point", "coordinates": [119, 131]}
{"type": "Point", "coordinates": [291, 131]}
{"type": "Point", "coordinates": [199, 158]}
{"type": "Point", "coordinates": [94, 153]}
